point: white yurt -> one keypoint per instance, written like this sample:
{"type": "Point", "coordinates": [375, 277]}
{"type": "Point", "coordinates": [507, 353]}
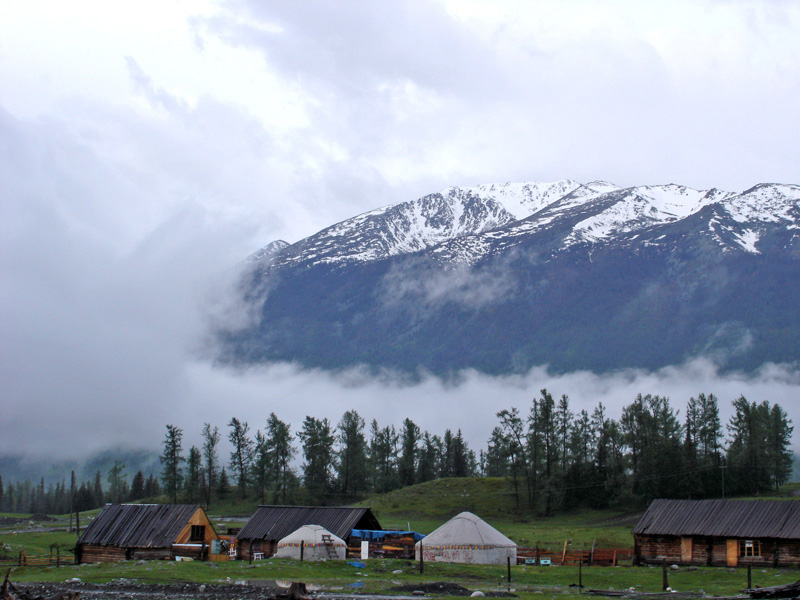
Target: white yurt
{"type": "Point", "coordinates": [317, 542]}
{"type": "Point", "coordinates": [466, 538]}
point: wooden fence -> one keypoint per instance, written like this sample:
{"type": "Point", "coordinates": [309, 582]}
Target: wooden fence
{"type": "Point", "coordinates": [601, 557]}
{"type": "Point", "coordinates": [54, 559]}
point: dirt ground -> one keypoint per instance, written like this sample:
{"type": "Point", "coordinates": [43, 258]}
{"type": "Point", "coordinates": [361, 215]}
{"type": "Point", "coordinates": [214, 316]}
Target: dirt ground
{"type": "Point", "coordinates": [141, 591]}
{"type": "Point", "coordinates": [253, 590]}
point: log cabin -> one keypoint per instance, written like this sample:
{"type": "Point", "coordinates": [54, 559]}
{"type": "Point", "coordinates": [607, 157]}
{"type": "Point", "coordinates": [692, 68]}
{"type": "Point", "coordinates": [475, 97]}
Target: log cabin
{"type": "Point", "coordinates": [269, 524]}
{"type": "Point", "coordinates": [149, 531]}
{"type": "Point", "coordinates": [762, 533]}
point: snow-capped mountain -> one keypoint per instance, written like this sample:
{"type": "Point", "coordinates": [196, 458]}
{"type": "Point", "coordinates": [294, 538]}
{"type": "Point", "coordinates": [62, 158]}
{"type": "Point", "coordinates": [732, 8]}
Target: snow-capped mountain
{"type": "Point", "coordinates": [466, 224]}
{"type": "Point", "coordinates": [502, 277]}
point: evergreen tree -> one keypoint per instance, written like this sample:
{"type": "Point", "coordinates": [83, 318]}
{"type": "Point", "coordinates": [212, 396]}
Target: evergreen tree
{"type": "Point", "coordinates": [407, 466]}
{"type": "Point", "coordinates": [428, 465]}
{"type": "Point", "coordinates": [512, 428]}
{"type": "Point", "coordinates": [383, 455]}
{"type": "Point", "coordinates": [211, 438]}
{"type": "Point", "coordinates": [194, 475]}
{"type": "Point", "coordinates": [137, 486]}
{"type": "Point", "coordinates": [242, 455]}
{"type": "Point", "coordinates": [317, 440]}
{"type": "Point", "coordinates": [116, 482]}
{"type": "Point", "coordinates": [152, 488]}
{"type": "Point", "coordinates": [99, 496]}
{"type": "Point", "coordinates": [352, 472]}
{"type": "Point", "coordinates": [461, 461]}
{"type": "Point", "coordinates": [171, 459]}
{"type": "Point", "coordinates": [495, 459]}
{"type": "Point", "coordinates": [779, 437]}
{"type": "Point", "coordinates": [223, 484]}
{"type": "Point", "coordinates": [746, 451]}
{"type": "Point", "coordinates": [279, 441]}
{"type": "Point", "coordinates": [261, 466]}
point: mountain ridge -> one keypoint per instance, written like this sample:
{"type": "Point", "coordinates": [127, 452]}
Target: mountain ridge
{"type": "Point", "coordinates": [491, 277]}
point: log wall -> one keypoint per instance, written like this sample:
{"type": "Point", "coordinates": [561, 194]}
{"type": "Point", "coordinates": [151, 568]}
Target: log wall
{"type": "Point", "coordinates": [96, 554]}
{"type": "Point", "coordinates": [246, 548]}
{"type": "Point", "coordinates": [713, 552]}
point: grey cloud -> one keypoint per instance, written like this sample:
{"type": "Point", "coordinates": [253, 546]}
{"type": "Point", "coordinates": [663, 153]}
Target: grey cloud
{"type": "Point", "coordinates": [428, 289]}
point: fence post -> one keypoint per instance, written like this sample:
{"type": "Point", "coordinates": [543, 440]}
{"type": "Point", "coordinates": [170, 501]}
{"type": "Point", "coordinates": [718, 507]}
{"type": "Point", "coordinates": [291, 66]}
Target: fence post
{"type": "Point", "coordinates": [421, 559]}
{"type": "Point", "coordinates": [749, 578]}
{"type": "Point", "coordinates": [508, 562]}
{"type": "Point", "coordinates": [664, 582]}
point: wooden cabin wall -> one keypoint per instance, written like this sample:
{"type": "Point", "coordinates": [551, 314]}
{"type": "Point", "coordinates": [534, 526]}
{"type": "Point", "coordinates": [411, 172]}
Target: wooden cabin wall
{"type": "Point", "coordinates": [787, 553]}
{"type": "Point", "coordinates": [713, 552]}
{"type": "Point", "coordinates": [657, 549]}
{"type": "Point", "coordinates": [245, 549]}
{"type": "Point", "coordinates": [150, 554]}
{"type": "Point", "coordinates": [198, 518]}
{"type": "Point", "coordinates": [97, 554]}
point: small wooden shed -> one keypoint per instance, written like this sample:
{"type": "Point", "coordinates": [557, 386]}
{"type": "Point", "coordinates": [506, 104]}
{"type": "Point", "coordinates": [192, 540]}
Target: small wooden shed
{"type": "Point", "coordinates": [269, 524]}
{"type": "Point", "coordinates": [764, 533]}
{"type": "Point", "coordinates": [149, 531]}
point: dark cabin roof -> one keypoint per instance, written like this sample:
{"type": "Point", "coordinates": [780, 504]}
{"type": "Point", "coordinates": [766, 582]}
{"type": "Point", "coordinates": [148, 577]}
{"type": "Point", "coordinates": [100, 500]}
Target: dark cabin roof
{"type": "Point", "coordinates": [276, 522]}
{"type": "Point", "coordinates": [138, 525]}
{"type": "Point", "coordinates": [722, 518]}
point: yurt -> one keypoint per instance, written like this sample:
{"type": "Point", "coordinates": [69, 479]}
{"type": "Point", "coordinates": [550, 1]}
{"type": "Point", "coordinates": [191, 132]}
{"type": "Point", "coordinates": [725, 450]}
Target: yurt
{"type": "Point", "coordinates": [317, 544]}
{"type": "Point", "coordinates": [466, 538]}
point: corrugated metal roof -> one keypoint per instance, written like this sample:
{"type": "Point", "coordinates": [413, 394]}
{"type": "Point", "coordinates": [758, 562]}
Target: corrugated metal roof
{"type": "Point", "coordinates": [138, 525]}
{"type": "Point", "coordinates": [722, 518]}
{"type": "Point", "coordinates": [276, 522]}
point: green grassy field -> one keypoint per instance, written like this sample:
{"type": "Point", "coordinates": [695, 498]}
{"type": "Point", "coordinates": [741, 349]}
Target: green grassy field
{"type": "Point", "coordinates": [381, 576]}
{"type": "Point", "coordinates": [422, 508]}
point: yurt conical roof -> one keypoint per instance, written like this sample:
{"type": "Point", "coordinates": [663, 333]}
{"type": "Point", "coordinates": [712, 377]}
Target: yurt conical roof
{"type": "Point", "coordinates": [467, 529]}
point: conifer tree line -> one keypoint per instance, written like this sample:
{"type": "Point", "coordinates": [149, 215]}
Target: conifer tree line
{"type": "Point", "coordinates": [337, 463]}
{"type": "Point", "coordinates": [557, 459]}
{"type": "Point", "coordinates": [551, 458]}
{"type": "Point", "coordinates": [69, 495]}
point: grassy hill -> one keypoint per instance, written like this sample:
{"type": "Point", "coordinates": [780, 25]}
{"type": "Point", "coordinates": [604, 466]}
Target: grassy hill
{"type": "Point", "coordinates": [426, 506]}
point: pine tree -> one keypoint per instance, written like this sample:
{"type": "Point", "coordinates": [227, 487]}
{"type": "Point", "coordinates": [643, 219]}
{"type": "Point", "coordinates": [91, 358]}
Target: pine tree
{"type": "Point", "coordinates": [428, 465]}
{"type": "Point", "coordinates": [407, 466]}
{"type": "Point", "coordinates": [223, 485]}
{"type": "Point", "coordinates": [171, 459]}
{"type": "Point", "coordinates": [779, 437]}
{"type": "Point", "coordinates": [352, 472]}
{"type": "Point", "coordinates": [137, 486]}
{"type": "Point", "coordinates": [279, 440]}
{"type": "Point", "coordinates": [261, 467]}
{"type": "Point", "coordinates": [317, 439]}
{"type": "Point", "coordinates": [512, 428]}
{"type": "Point", "coordinates": [99, 496]}
{"type": "Point", "coordinates": [211, 439]}
{"type": "Point", "coordinates": [242, 455]}
{"type": "Point", "coordinates": [116, 481]}
{"type": "Point", "coordinates": [193, 475]}
{"type": "Point", "coordinates": [494, 461]}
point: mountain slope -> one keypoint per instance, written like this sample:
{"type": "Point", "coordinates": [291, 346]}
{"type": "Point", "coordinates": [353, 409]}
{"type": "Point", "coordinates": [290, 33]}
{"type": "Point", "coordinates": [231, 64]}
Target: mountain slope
{"type": "Point", "coordinates": [504, 277]}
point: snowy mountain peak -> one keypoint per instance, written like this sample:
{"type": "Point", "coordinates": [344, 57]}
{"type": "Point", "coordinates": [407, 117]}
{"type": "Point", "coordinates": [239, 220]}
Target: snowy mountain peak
{"type": "Point", "coordinates": [465, 225]}
{"type": "Point", "coordinates": [268, 251]}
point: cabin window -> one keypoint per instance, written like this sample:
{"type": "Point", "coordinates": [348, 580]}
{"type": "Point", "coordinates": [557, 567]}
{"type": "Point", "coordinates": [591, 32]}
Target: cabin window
{"type": "Point", "coordinates": [749, 548]}
{"type": "Point", "coordinates": [198, 533]}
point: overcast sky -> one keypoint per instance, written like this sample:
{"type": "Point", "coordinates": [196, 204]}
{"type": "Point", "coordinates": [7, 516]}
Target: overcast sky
{"type": "Point", "coordinates": [147, 147]}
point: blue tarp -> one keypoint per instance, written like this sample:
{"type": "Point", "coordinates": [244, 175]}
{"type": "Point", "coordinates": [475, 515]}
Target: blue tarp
{"type": "Point", "coordinates": [377, 535]}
